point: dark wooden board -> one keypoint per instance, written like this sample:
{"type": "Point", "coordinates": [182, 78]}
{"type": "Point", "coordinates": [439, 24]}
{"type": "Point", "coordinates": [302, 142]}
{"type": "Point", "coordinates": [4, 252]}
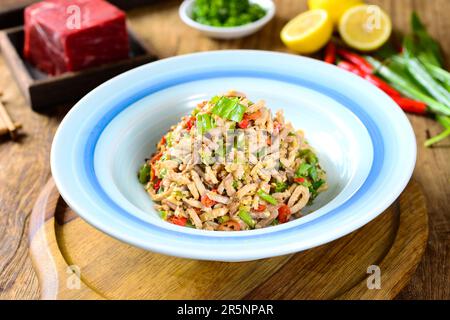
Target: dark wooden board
{"type": "Point", "coordinates": [43, 92]}
{"type": "Point", "coordinates": [11, 11]}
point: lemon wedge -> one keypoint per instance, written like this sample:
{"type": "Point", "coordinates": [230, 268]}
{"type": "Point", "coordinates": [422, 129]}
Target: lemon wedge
{"type": "Point", "coordinates": [335, 8]}
{"type": "Point", "coordinates": [365, 27]}
{"type": "Point", "coordinates": [308, 32]}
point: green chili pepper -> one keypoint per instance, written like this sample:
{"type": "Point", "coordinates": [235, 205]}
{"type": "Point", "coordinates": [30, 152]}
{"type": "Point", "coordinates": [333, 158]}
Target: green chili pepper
{"type": "Point", "coordinates": [266, 197]}
{"type": "Point", "coordinates": [407, 88]}
{"type": "Point", "coordinates": [421, 75]}
{"type": "Point", "coordinates": [144, 174]}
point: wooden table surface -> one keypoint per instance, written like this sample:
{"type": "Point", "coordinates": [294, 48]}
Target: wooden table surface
{"type": "Point", "coordinates": [25, 167]}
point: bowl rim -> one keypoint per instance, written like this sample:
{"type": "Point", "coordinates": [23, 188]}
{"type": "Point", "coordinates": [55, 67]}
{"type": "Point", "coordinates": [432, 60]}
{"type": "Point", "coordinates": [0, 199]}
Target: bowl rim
{"type": "Point", "coordinates": [186, 5]}
{"type": "Point", "coordinates": [64, 132]}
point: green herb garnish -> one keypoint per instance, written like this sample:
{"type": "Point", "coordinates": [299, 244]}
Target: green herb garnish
{"type": "Point", "coordinates": [226, 13]}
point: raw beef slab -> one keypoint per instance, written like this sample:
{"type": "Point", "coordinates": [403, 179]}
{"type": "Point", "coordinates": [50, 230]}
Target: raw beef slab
{"type": "Point", "coordinates": [71, 35]}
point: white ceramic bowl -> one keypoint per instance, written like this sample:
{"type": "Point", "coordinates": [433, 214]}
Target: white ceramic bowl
{"type": "Point", "coordinates": [362, 138]}
{"type": "Point", "coordinates": [185, 13]}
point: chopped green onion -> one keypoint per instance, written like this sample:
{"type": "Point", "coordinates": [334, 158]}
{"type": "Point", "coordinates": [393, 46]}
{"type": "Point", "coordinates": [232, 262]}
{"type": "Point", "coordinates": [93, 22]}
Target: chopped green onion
{"type": "Point", "coordinates": [275, 222]}
{"type": "Point", "coordinates": [235, 184]}
{"type": "Point", "coordinates": [204, 123]}
{"type": "Point", "coordinates": [302, 170]}
{"type": "Point", "coordinates": [266, 197]}
{"type": "Point", "coordinates": [280, 186]}
{"type": "Point", "coordinates": [247, 218]}
{"type": "Point", "coordinates": [309, 156]}
{"type": "Point", "coordinates": [169, 139]}
{"type": "Point", "coordinates": [163, 214]}
{"type": "Point", "coordinates": [313, 173]}
{"type": "Point", "coordinates": [229, 108]}
{"type": "Point", "coordinates": [144, 174]}
{"type": "Point", "coordinates": [189, 224]}
{"type": "Point", "coordinates": [223, 219]}
{"type": "Point", "coordinates": [162, 173]}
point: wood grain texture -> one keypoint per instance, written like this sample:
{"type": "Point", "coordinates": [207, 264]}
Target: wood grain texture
{"type": "Point", "coordinates": [105, 268]}
{"type": "Point", "coordinates": [24, 166]}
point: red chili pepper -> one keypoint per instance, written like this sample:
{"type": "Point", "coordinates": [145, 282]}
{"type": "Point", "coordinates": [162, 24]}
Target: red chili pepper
{"type": "Point", "coordinates": [330, 53]}
{"type": "Point", "coordinates": [369, 77]}
{"type": "Point", "coordinates": [382, 85]}
{"type": "Point", "coordinates": [163, 140]}
{"type": "Point", "coordinates": [244, 123]}
{"type": "Point", "coordinates": [355, 59]}
{"type": "Point", "coordinates": [351, 68]}
{"type": "Point", "coordinates": [190, 123]}
{"type": "Point", "coordinates": [261, 208]}
{"type": "Point", "coordinates": [284, 212]}
{"type": "Point", "coordinates": [410, 105]}
{"type": "Point", "coordinates": [207, 202]}
{"type": "Point", "coordinates": [180, 221]}
{"type": "Point", "coordinates": [299, 180]}
{"type": "Point", "coordinates": [157, 185]}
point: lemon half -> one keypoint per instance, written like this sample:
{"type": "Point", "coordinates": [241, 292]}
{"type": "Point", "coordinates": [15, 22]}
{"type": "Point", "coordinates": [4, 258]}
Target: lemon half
{"type": "Point", "coordinates": [365, 27]}
{"type": "Point", "coordinates": [335, 8]}
{"type": "Point", "coordinates": [308, 32]}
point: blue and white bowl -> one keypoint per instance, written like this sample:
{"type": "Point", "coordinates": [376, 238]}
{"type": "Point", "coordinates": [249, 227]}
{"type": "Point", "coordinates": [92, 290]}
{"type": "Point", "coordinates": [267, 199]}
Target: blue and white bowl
{"type": "Point", "coordinates": [363, 140]}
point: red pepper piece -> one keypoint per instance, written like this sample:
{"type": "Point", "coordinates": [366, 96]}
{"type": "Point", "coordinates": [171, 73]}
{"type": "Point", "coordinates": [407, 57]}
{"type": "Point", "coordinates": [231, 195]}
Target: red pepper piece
{"type": "Point", "coordinates": [157, 185]}
{"type": "Point", "coordinates": [190, 123]}
{"type": "Point", "coordinates": [261, 208]}
{"type": "Point", "coordinates": [180, 221]}
{"type": "Point", "coordinates": [244, 123]}
{"type": "Point", "coordinates": [207, 202]}
{"type": "Point", "coordinates": [299, 180]}
{"type": "Point", "coordinates": [284, 212]}
{"type": "Point", "coordinates": [252, 116]}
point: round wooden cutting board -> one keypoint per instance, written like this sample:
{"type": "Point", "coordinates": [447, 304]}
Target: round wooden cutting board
{"type": "Point", "coordinates": [75, 261]}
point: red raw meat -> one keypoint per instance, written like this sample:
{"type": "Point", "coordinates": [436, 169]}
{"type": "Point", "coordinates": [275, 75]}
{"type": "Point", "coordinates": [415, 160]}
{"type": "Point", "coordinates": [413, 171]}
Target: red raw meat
{"type": "Point", "coordinates": [55, 43]}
